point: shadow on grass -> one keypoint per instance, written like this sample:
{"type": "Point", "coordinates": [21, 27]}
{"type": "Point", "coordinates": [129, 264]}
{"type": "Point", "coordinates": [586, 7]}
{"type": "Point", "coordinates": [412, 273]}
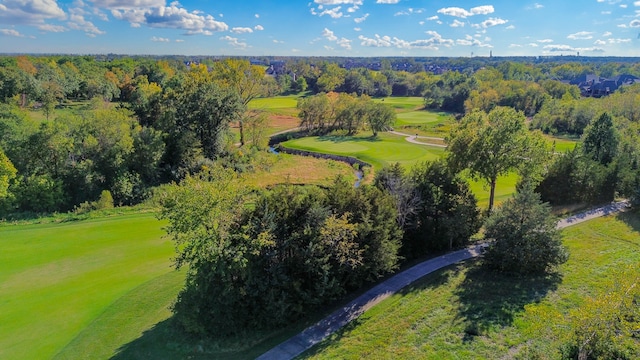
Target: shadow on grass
{"type": "Point", "coordinates": [631, 218]}
{"type": "Point", "coordinates": [431, 281]}
{"type": "Point", "coordinates": [345, 138]}
{"type": "Point", "coordinates": [490, 300]}
{"type": "Point", "coordinates": [166, 341]}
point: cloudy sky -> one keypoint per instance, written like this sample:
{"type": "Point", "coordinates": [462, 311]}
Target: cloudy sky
{"type": "Point", "coordinates": [322, 27]}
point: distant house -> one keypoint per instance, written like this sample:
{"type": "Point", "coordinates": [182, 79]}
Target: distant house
{"type": "Point", "coordinates": [594, 86]}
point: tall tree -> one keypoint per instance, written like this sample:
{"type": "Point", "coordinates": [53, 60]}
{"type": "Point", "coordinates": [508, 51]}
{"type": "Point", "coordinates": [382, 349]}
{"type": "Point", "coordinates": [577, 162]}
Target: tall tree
{"type": "Point", "coordinates": [601, 140]}
{"type": "Point", "coordinates": [380, 116]}
{"type": "Point", "coordinates": [494, 144]}
{"type": "Point", "coordinates": [248, 81]}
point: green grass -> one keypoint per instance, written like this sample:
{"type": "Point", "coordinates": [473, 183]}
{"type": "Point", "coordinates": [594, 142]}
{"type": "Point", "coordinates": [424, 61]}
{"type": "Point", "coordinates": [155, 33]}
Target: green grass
{"type": "Point", "coordinates": [59, 281]}
{"type": "Point", "coordinates": [402, 103]}
{"type": "Point", "coordinates": [464, 312]}
{"type": "Point", "coordinates": [505, 188]}
{"type": "Point", "coordinates": [420, 117]}
{"type": "Point", "coordinates": [381, 151]}
{"type": "Point", "coordinates": [282, 105]}
{"type": "Point", "coordinates": [562, 145]}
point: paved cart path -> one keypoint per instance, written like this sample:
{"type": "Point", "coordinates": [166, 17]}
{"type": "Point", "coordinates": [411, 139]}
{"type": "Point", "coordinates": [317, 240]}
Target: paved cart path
{"type": "Point", "coordinates": [339, 318]}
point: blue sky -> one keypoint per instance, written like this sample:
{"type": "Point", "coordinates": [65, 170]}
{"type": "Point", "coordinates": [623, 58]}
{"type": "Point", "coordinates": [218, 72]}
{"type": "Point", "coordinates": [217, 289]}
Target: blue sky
{"type": "Point", "coordinates": [322, 27]}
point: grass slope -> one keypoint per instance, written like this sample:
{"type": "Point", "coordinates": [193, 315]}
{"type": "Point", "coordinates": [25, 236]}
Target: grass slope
{"type": "Point", "coordinates": [381, 151]}
{"type": "Point", "coordinates": [464, 312]}
{"type": "Point", "coordinates": [57, 279]}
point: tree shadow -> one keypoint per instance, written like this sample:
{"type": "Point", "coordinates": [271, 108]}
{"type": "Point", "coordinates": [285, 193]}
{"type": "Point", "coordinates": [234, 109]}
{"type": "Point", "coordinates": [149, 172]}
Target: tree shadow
{"type": "Point", "coordinates": [166, 340]}
{"type": "Point", "coordinates": [431, 281]}
{"type": "Point", "coordinates": [490, 300]}
{"type": "Point", "coordinates": [345, 138]}
{"type": "Point", "coordinates": [631, 218]}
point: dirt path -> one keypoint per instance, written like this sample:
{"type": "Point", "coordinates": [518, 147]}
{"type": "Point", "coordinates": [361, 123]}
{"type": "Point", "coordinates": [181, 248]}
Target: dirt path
{"type": "Point", "coordinates": [339, 318]}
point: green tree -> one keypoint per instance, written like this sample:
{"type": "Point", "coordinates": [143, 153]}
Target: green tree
{"type": "Point", "coordinates": [524, 235]}
{"type": "Point", "coordinates": [249, 81]}
{"type": "Point", "coordinates": [493, 144]}
{"type": "Point", "coordinates": [7, 173]}
{"type": "Point", "coordinates": [380, 116]}
{"type": "Point", "coordinates": [448, 216]}
{"type": "Point", "coordinates": [601, 139]}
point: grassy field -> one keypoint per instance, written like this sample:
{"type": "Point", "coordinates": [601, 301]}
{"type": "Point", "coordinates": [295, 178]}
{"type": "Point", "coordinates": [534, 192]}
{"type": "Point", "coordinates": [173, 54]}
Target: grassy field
{"type": "Point", "coordinates": [562, 145]}
{"type": "Point", "coordinates": [381, 151]}
{"type": "Point", "coordinates": [279, 105]}
{"type": "Point", "coordinates": [403, 103]}
{"type": "Point", "coordinates": [294, 169]}
{"type": "Point", "coordinates": [464, 312]}
{"type": "Point", "coordinates": [62, 286]}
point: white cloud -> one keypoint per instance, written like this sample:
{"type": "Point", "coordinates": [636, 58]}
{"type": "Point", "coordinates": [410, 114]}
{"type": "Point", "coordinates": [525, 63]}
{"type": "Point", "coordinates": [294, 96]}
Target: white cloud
{"type": "Point", "coordinates": [432, 43]}
{"type": "Point", "coordinates": [329, 35]}
{"type": "Point", "coordinates": [510, 27]}
{"type": "Point", "coordinates": [568, 48]}
{"type": "Point", "coordinates": [179, 40]}
{"type": "Point", "coordinates": [172, 17]}
{"type": "Point", "coordinates": [434, 17]}
{"type": "Point", "coordinates": [600, 42]}
{"type": "Point", "coordinates": [78, 22]}
{"type": "Point", "coordinates": [338, 2]}
{"type": "Point", "coordinates": [241, 30]}
{"type": "Point", "coordinates": [538, 6]}
{"type": "Point", "coordinates": [342, 42]}
{"type": "Point", "coordinates": [52, 28]}
{"type": "Point", "coordinates": [378, 41]}
{"type": "Point", "coordinates": [581, 35]}
{"type": "Point", "coordinates": [11, 32]}
{"type": "Point", "coordinates": [533, 44]}
{"type": "Point", "coordinates": [514, 46]}
{"type": "Point", "coordinates": [361, 19]}
{"type": "Point", "coordinates": [334, 13]}
{"type": "Point", "coordinates": [634, 23]}
{"type": "Point", "coordinates": [624, 6]}
{"type": "Point", "coordinates": [493, 22]}
{"type": "Point", "coordinates": [545, 41]}
{"type": "Point", "coordinates": [460, 12]}
{"type": "Point", "coordinates": [607, 34]}
{"type": "Point", "coordinates": [387, 1]}
{"type": "Point", "coordinates": [257, 16]}
{"type": "Point", "coordinates": [471, 41]}
{"type": "Point", "coordinates": [128, 4]}
{"type": "Point", "coordinates": [278, 41]}
{"type": "Point", "coordinates": [457, 23]}
{"type": "Point", "coordinates": [357, 29]}
{"type": "Point", "coordinates": [605, 12]}
{"type": "Point", "coordinates": [234, 42]}
{"type": "Point", "coordinates": [258, 28]}
{"type": "Point", "coordinates": [30, 11]}
{"type": "Point", "coordinates": [618, 41]}
{"type": "Point", "coordinates": [160, 39]}
{"type": "Point", "coordinates": [624, 26]}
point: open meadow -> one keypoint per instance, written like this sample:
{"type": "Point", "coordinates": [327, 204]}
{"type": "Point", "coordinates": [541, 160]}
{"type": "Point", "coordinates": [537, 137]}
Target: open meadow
{"type": "Point", "coordinates": [466, 312]}
{"type": "Point", "coordinates": [74, 289]}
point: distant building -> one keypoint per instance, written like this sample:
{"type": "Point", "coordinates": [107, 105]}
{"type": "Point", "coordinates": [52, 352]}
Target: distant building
{"type": "Point", "coordinates": [594, 86]}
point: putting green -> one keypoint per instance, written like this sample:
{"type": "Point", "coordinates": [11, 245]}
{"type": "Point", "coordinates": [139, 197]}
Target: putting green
{"type": "Point", "coordinates": [401, 103]}
{"type": "Point", "coordinates": [381, 151]}
{"type": "Point", "coordinates": [56, 279]}
{"type": "Point", "coordinates": [419, 117]}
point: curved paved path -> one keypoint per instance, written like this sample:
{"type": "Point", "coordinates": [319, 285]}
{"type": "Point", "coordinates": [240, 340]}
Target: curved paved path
{"type": "Point", "coordinates": [414, 139]}
{"type": "Point", "coordinates": [339, 318]}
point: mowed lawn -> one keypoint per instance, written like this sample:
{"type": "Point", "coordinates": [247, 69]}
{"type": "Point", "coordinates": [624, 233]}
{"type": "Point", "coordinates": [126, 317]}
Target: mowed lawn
{"type": "Point", "coordinates": [381, 151]}
{"type": "Point", "coordinates": [66, 283]}
{"type": "Point", "coordinates": [388, 149]}
{"type": "Point", "coordinates": [464, 312]}
{"type": "Point", "coordinates": [281, 105]}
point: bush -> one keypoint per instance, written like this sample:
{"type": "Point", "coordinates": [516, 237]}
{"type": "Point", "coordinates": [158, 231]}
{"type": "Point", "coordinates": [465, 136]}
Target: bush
{"type": "Point", "coordinates": [524, 235]}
